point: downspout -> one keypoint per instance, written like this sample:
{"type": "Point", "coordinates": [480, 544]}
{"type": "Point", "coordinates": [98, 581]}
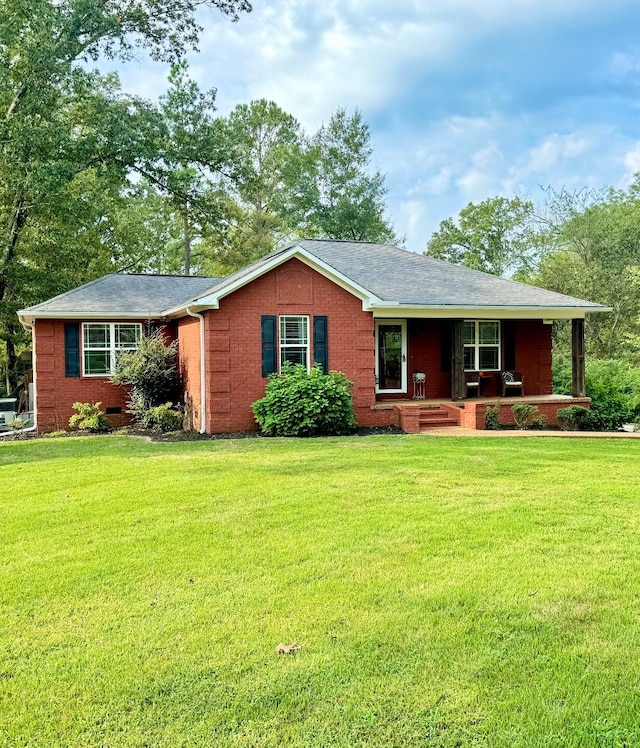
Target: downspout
{"type": "Point", "coordinates": [203, 372]}
{"type": "Point", "coordinates": [28, 326]}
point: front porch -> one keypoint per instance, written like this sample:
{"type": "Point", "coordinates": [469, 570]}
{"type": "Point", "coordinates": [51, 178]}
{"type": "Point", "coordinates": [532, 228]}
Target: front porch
{"type": "Point", "coordinates": [418, 416]}
{"type": "Point", "coordinates": [444, 360]}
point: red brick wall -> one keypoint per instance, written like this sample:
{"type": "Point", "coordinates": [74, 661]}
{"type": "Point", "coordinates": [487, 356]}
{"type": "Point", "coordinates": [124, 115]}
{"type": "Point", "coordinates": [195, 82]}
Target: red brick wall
{"type": "Point", "coordinates": [56, 393]}
{"type": "Point", "coordinates": [533, 356]}
{"type": "Point", "coordinates": [189, 354]}
{"type": "Point", "coordinates": [473, 414]}
{"type": "Point", "coordinates": [234, 342]}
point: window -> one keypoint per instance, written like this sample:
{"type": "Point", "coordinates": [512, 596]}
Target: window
{"type": "Point", "coordinates": [481, 345]}
{"type": "Point", "coordinates": [294, 340]}
{"type": "Point", "coordinates": [101, 342]}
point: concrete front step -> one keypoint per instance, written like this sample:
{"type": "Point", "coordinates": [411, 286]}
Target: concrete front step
{"type": "Point", "coordinates": [455, 430]}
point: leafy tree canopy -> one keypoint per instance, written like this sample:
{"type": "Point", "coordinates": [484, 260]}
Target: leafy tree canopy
{"type": "Point", "coordinates": [496, 236]}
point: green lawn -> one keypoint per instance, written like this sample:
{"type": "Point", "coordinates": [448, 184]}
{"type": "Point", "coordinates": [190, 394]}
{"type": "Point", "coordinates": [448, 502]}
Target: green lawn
{"type": "Point", "coordinates": [444, 592]}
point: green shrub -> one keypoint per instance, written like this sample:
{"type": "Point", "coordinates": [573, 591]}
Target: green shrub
{"type": "Point", "coordinates": [151, 373]}
{"type": "Point", "coordinates": [162, 418]}
{"type": "Point", "coordinates": [89, 418]}
{"type": "Point", "coordinates": [574, 418]}
{"type": "Point", "coordinates": [524, 415]}
{"type": "Point", "coordinates": [612, 385]}
{"type": "Point", "coordinates": [55, 434]}
{"type": "Point", "coordinates": [302, 403]}
{"type": "Point", "coordinates": [491, 422]}
{"type": "Point", "coordinates": [538, 422]}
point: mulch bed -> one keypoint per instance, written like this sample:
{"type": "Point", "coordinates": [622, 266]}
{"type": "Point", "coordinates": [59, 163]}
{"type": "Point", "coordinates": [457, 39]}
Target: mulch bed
{"type": "Point", "coordinates": [187, 436]}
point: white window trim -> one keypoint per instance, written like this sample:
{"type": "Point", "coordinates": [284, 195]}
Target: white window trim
{"type": "Point", "coordinates": [112, 345]}
{"type": "Point", "coordinates": [403, 326]}
{"type": "Point", "coordinates": [477, 345]}
{"type": "Point", "coordinates": [282, 345]}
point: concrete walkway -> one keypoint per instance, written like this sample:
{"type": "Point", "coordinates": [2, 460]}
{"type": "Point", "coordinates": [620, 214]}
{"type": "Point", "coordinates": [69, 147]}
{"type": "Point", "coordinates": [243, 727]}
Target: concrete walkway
{"type": "Point", "coordinates": [508, 433]}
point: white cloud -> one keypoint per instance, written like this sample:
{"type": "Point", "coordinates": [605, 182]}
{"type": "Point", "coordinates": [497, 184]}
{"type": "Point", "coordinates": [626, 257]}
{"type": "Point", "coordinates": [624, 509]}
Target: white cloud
{"type": "Point", "coordinates": [464, 98]}
{"type": "Point", "coordinates": [553, 149]}
{"type": "Point", "coordinates": [632, 162]}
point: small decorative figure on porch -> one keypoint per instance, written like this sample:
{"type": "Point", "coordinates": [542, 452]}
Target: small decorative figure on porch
{"type": "Point", "coordinates": [419, 378]}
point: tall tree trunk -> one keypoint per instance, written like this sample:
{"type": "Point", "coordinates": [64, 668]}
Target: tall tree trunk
{"type": "Point", "coordinates": [187, 244]}
{"type": "Point", "coordinates": [12, 364]}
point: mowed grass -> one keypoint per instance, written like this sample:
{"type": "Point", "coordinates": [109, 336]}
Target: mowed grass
{"type": "Point", "coordinates": [443, 592]}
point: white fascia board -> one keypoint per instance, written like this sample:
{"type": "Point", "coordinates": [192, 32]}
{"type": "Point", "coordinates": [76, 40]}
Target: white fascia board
{"type": "Point", "coordinates": [212, 301]}
{"type": "Point", "coordinates": [25, 315]}
{"type": "Point", "coordinates": [29, 318]}
{"type": "Point", "coordinates": [482, 312]}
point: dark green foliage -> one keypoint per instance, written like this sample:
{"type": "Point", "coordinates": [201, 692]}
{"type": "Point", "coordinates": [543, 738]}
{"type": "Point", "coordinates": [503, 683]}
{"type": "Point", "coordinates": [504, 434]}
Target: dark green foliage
{"type": "Point", "coordinates": [302, 403]}
{"type": "Point", "coordinates": [496, 236]}
{"type": "Point", "coordinates": [612, 385]}
{"type": "Point", "coordinates": [162, 418]}
{"type": "Point", "coordinates": [491, 422]}
{"type": "Point", "coordinates": [575, 418]}
{"type": "Point", "coordinates": [89, 418]}
{"type": "Point", "coordinates": [538, 422]}
{"type": "Point", "coordinates": [526, 415]}
{"type": "Point", "coordinates": [150, 371]}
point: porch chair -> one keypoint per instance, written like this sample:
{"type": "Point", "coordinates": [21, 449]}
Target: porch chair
{"type": "Point", "coordinates": [472, 382]}
{"type": "Point", "coordinates": [512, 380]}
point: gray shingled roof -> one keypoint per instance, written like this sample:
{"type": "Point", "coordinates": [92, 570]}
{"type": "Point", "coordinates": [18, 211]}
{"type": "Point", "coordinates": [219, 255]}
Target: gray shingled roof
{"type": "Point", "coordinates": [396, 276]}
{"type": "Point", "coordinates": [127, 294]}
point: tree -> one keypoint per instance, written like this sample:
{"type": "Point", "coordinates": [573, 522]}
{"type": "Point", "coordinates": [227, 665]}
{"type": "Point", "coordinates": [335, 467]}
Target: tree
{"type": "Point", "coordinates": [60, 121]}
{"type": "Point", "coordinates": [275, 184]}
{"type": "Point", "coordinates": [188, 115]}
{"type": "Point", "coordinates": [497, 236]}
{"type": "Point", "coordinates": [597, 257]}
{"type": "Point", "coordinates": [256, 157]}
{"type": "Point", "coordinates": [345, 200]}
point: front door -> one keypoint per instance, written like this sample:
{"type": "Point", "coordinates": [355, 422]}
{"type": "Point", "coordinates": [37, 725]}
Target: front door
{"type": "Point", "coordinates": [391, 356]}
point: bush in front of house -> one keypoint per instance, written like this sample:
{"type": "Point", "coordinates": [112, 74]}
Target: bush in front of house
{"type": "Point", "coordinates": [162, 418]}
{"type": "Point", "coordinates": [491, 416]}
{"type": "Point", "coordinates": [528, 416]}
{"type": "Point", "coordinates": [612, 385]}
{"type": "Point", "coordinates": [298, 402]}
{"type": "Point", "coordinates": [575, 418]}
{"type": "Point", "coordinates": [151, 372]}
{"type": "Point", "coordinates": [89, 417]}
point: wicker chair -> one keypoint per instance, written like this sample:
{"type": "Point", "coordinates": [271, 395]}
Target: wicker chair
{"type": "Point", "coordinates": [512, 380]}
{"type": "Point", "coordinates": [472, 382]}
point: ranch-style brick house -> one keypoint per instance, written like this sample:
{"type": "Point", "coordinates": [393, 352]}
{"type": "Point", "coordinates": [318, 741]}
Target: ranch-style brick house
{"type": "Point", "coordinates": [424, 342]}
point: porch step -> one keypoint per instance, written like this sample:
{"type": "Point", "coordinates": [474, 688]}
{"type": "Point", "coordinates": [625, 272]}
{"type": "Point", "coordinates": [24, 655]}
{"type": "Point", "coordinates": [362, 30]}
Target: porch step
{"type": "Point", "coordinates": [436, 418]}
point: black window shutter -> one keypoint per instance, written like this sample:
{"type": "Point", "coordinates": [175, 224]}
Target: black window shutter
{"type": "Point", "coordinates": [509, 344]}
{"type": "Point", "coordinates": [321, 343]}
{"type": "Point", "coordinates": [71, 349]}
{"type": "Point", "coordinates": [269, 345]}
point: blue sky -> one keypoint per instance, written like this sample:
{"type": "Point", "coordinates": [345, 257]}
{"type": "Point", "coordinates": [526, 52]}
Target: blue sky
{"type": "Point", "coordinates": [465, 99]}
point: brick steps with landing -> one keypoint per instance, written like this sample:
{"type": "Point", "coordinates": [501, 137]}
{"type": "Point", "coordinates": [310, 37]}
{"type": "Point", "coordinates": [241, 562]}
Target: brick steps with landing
{"type": "Point", "coordinates": [437, 418]}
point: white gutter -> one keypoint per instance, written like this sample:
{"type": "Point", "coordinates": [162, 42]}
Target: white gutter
{"type": "Point", "coordinates": [203, 371]}
{"type": "Point", "coordinates": [28, 326]}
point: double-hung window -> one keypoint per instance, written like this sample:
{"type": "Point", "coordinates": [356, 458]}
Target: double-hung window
{"type": "Point", "coordinates": [101, 343]}
{"type": "Point", "coordinates": [481, 345]}
{"type": "Point", "coordinates": [294, 340]}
